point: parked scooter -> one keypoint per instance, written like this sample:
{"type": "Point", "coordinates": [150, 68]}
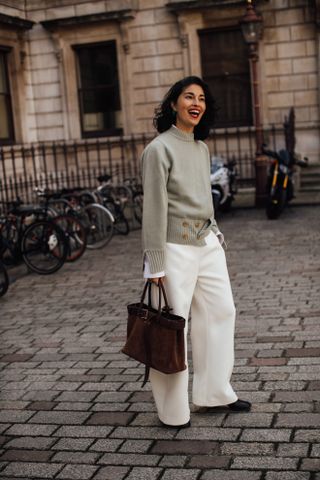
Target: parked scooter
{"type": "Point", "coordinates": [280, 184]}
{"type": "Point", "coordinates": [223, 183]}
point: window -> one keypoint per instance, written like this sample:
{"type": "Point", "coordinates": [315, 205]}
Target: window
{"type": "Point", "coordinates": [225, 67]}
{"type": "Point", "coordinates": [98, 88]}
{"type": "Point", "coordinates": [6, 123]}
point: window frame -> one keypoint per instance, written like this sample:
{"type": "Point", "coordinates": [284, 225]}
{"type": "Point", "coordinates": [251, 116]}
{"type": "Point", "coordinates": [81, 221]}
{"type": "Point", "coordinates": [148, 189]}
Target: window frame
{"type": "Point", "coordinates": [95, 133]}
{"type": "Point", "coordinates": [249, 121]}
{"type": "Point", "coordinates": [8, 98]}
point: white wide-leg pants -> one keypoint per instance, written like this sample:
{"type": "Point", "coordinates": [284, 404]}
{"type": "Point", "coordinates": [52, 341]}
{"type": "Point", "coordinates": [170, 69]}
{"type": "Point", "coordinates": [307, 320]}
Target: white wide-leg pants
{"type": "Point", "coordinates": [197, 278]}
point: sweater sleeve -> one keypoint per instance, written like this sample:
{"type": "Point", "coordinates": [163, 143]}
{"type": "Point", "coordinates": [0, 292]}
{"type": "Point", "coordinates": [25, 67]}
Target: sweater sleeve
{"type": "Point", "coordinates": [155, 172]}
{"type": "Point", "coordinates": [214, 226]}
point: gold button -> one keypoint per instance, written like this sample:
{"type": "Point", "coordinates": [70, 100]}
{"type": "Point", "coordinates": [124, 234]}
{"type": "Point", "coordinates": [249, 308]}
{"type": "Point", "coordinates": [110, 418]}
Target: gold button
{"type": "Point", "coordinates": [197, 225]}
{"type": "Point", "coordinates": [185, 224]}
{"type": "Point", "coordinates": [185, 236]}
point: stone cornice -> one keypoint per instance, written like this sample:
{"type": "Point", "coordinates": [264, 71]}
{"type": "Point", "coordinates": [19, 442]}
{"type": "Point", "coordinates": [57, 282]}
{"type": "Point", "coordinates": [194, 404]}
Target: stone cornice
{"type": "Point", "coordinates": [15, 22]}
{"type": "Point", "coordinates": [180, 5]}
{"type": "Point", "coordinates": [119, 15]}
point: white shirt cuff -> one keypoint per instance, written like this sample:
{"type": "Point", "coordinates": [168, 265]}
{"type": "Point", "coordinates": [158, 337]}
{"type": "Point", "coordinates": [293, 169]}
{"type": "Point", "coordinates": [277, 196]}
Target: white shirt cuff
{"type": "Point", "coordinates": [148, 274]}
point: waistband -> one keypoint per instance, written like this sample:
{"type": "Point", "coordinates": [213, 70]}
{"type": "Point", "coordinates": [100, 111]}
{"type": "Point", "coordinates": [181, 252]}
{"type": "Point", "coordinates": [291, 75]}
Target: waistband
{"type": "Point", "coordinates": [188, 231]}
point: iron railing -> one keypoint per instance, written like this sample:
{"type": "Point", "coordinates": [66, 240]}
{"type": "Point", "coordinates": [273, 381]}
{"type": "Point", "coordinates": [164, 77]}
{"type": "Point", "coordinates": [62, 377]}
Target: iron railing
{"type": "Point", "coordinates": [67, 164]}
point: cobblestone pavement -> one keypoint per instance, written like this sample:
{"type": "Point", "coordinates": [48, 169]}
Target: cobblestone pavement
{"type": "Point", "coordinates": [72, 406]}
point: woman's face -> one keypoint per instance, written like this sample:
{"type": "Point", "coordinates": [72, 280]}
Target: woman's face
{"type": "Point", "coordinates": [190, 106]}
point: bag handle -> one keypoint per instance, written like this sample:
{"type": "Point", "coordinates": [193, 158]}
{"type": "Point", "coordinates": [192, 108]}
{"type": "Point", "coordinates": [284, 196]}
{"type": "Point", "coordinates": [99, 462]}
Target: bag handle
{"type": "Point", "coordinates": [148, 286]}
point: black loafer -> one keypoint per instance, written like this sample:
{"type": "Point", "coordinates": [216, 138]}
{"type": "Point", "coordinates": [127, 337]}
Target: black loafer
{"type": "Point", "coordinates": [240, 406]}
{"type": "Point", "coordinates": [185, 425]}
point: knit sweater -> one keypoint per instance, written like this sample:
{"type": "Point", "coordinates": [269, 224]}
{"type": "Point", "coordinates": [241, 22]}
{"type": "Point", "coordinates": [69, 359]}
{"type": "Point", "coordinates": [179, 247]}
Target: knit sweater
{"type": "Point", "coordinates": [177, 205]}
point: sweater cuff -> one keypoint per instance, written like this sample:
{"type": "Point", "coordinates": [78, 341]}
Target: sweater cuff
{"type": "Point", "coordinates": [155, 259]}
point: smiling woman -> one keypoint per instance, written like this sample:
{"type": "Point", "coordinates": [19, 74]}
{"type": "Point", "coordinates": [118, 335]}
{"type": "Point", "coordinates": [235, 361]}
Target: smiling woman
{"type": "Point", "coordinates": [196, 94]}
{"type": "Point", "coordinates": [182, 244]}
{"type": "Point", "coordinates": [189, 108]}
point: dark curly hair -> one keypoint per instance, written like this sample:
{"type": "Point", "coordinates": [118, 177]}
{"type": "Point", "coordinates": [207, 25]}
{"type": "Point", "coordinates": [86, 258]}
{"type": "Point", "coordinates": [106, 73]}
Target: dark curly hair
{"type": "Point", "coordinates": [164, 115]}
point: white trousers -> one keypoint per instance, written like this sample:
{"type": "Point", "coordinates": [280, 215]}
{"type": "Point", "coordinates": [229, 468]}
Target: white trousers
{"type": "Point", "coordinates": [197, 278]}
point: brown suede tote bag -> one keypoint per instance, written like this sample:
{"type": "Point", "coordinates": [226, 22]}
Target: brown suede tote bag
{"type": "Point", "coordinates": [155, 337]}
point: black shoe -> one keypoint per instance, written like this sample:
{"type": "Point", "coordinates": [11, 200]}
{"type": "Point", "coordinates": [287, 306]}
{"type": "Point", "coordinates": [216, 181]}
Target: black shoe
{"type": "Point", "coordinates": [185, 425]}
{"type": "Point", "coordinates": [240, 406]}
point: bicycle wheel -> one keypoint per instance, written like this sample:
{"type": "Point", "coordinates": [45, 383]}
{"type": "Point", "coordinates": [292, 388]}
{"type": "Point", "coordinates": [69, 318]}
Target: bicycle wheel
{"type": "Point", "coordinates": [137, 201]}
{"type": "Point", "coordinates": [99, 225]}
{"type": "Point", "coordinates": [121, 224]}
{"type": "Point", "coordinates": [75, 233]}
{"type": "Point", "coordinates": [44, 247]}
{"type": "Point", "coordinates": [4, 279]}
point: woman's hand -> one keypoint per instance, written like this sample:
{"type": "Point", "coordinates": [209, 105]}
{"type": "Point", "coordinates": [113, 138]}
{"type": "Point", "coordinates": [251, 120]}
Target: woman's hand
{"type": "Point", "coordinates": [156, 279]}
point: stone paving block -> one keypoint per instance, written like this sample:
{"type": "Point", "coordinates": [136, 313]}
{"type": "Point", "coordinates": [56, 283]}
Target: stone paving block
{"type": "Point", "coordinates": [38, 395]}
{"type": "Point", "coordinates": [287, 476]}
{"type": "Point", "coordinates": [290, 397]}
{"type": "Point", "coordinates": [289, 386]}
{"type": "Point", "coordinates": [30, 443]}
{"type": "Point", "coordinates": [230, 475]}
{"type": "Point", "coordinates": [246, 448]}
{"type": "Point", "coordinates": [249, 420]}
{"type": "Point", "coordinates": [184, 447]}
{"type": "Point", "coordinates": [140, 473]}
{"type": "Point", "coordinates": [109, 418]}
{"type": "Point", "coordinates": [69, 418]}
{"type": "Point", "coordinates": [298, 407]}
{"type": "Point", "coordinates": [76, 457]}
{"type": "Point", "coordinates": [32, 430]}
{"type": "Point", "coordinates": [15, 416]}
{"type": "Point", "coordinates": [292, 450]}
{"type": "Point", "coordinates": [83, 431]}
{"type": "Point", "coordinates": [77, 472]}
{"type": "Point", "coordinates": [110, 407]}
{"type": "Point", "coordinates": [136, 446]}
{"type": "Point", "coordinates": [201, 433]}
{"type": "Point", "coordinates": [70, 406]}
{"type": "Point", "coordinates": [73, 444]}
{"type": "Point", "coordinates": [180, 474]}
{"type": "Point", "coordinates": [42, 406]}
{"type": "Point", "coordinates": [26, 456]}
{"type": "Point", "coordinates": [298, 420]}
{"type": "Point", "coordinates": [263, 435]}
{"type": "Point", "coordinates": [33, 470]}
{"type": "Point", "coordinates": [12, 405]}
{"type": "Point", "coordinates": [312, 464]}
{"type": "Point", "coordinates": [106, 445]}
{"type": "Point", "coordinates": [267, 463]}
{"type": "Point", "coordinates": [112, 473]}
{"type": "Point", "coordinates": [315, 452]}
{"type": "Point", "coordinates": [143, 432]}
{"type": "Point", "coordinates": [210, 461]}
{"type": "Point", "coordinates": [173, 461]}
{"type": "Point", "coordinates": [76, 397]}
{"type": "Point", "coordinates": [129, 459]}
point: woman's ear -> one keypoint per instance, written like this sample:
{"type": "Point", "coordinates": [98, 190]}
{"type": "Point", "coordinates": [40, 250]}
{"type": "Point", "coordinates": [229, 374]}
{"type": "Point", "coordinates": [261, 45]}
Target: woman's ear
{"type": "Point", "coordinates": [173, 106]}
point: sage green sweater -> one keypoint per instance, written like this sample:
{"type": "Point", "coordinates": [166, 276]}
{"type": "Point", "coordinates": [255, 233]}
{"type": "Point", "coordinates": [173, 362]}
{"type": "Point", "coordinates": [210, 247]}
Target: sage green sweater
{"type": "Point", "coordinates": [177, 204]}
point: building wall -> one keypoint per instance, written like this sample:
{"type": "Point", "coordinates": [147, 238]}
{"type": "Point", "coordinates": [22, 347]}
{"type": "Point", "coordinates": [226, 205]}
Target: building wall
{"type": "Point", "coordinates": [155, 49]}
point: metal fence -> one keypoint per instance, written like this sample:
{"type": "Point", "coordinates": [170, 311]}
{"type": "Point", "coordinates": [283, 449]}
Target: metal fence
{"type": "Point", "coordinates": [68, 164]}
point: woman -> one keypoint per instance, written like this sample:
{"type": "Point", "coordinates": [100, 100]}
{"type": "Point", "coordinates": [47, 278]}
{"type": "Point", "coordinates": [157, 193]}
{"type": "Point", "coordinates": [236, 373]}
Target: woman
{"type": "Point", "coordinates": [182, 243]}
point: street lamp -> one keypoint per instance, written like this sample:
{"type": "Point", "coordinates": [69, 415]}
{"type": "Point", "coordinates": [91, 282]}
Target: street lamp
{"type": "Point", "coordinates": [251, 25]}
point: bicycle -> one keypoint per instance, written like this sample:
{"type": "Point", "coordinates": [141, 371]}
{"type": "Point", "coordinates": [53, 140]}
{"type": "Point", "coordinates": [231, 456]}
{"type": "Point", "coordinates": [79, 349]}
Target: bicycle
{"type": "Point", "coordinates": [115, 200]}
{"type": "Point", "coordinates": [40, 244]}
{"type": "Point", "coordinates": [4, 279]}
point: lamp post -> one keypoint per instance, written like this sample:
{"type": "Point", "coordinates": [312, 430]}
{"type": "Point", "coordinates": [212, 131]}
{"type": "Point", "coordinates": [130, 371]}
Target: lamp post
{"type": "Point", "coordinates": [251, 25]}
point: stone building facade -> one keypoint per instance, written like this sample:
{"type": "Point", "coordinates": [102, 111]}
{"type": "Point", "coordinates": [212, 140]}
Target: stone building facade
{"type": "Point", "coordinates": [49, 49]}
